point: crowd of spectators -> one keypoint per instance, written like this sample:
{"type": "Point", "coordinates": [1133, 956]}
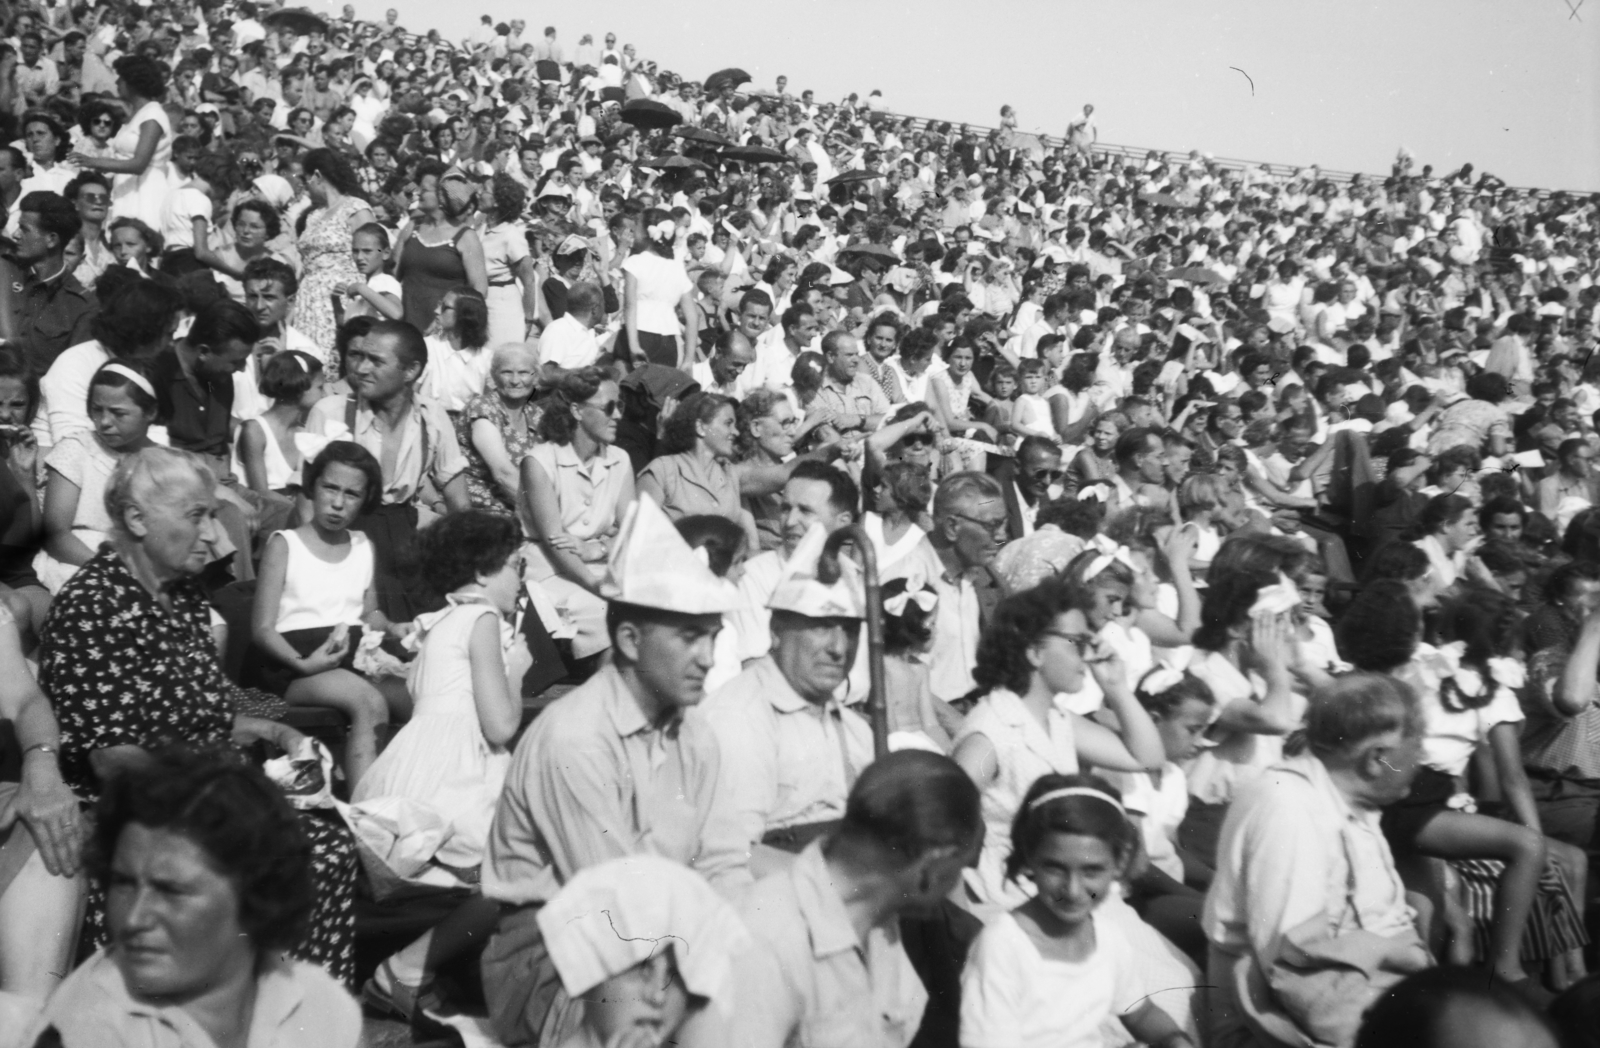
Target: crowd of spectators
{"type": "Point", "coordinates": [402, 437]}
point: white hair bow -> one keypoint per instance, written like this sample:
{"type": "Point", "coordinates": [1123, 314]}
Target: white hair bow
{"type": "Point", "coordinates": [1110, 551]}
{"type": "Point", "coordinates": [1160, 680]}
{"type": "Point", "coordinates": [926, 599]}
{"type": "Point", "coordinates": [1276, 599]}
{"type": "Point", "coordinates": [663, 229]}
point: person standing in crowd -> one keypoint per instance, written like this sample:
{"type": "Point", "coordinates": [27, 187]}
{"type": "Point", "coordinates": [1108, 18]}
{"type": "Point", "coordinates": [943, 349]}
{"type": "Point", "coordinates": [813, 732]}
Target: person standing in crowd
{"type": "Point", "coordinates": [143, 148]}
{"type": "Point", "coordinates": [337, 211]}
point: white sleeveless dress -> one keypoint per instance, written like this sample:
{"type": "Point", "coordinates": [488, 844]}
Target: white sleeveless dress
{"type": "Point", "coordinates": [440, 759]}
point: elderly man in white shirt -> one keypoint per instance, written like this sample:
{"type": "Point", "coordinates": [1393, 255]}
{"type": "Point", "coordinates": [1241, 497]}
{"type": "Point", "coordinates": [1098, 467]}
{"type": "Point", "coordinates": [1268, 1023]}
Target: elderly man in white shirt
{"type": "Point", "coordinates": [1306, 888]}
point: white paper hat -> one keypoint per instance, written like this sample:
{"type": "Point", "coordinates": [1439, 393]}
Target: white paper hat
{"type": "Point", "coordinates": [800, 590]}
{"type": "Point", "coordinates": [653, 567]}
{"type": "Point", "coordinates": [620, 913]}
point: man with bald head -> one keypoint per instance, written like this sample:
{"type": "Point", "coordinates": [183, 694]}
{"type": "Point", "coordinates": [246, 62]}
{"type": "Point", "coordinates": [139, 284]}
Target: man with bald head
{"type": "Point", "coordinates": [722, 373]}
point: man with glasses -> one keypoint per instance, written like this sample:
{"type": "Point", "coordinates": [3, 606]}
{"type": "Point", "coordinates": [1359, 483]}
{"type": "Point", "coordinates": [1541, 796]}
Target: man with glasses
{"type": "Point", "coordinates": [970, 524]}
{"type": "Point", "coordinates": [1029, 481]}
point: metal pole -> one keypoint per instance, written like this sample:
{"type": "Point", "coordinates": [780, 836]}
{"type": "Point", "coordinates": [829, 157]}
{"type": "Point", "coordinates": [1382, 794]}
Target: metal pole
{"type": "Point", "coordinates": [878, 700]}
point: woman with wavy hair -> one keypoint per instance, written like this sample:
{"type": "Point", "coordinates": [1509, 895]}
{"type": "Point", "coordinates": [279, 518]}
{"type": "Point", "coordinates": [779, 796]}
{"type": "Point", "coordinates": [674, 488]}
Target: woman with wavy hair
{"type": "Point", "coordinates": [513, 287]}
{"type": "Point", "coordinates": [576, 486]}
{"type": "Point", "coordinates": [656, 290]}
{"type": "Point", "coordinates": [337, 211]}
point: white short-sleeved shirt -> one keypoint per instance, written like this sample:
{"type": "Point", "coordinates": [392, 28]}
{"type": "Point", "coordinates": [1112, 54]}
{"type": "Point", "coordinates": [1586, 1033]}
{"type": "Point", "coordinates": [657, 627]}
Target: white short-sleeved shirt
{"type": "Point", "coordinates": [1013, 997]}
{"type": "Point", "coordinates": [569, 344]}
{"type": "Point", "coordinates": [1239, 757]}
{"type": "Point", "coordinates": [383, 284]}
{"type": "Point", "coordinates": [1452, 735]}
{"type": "Point", "coordinates": [177, 217]}
{"type": "Point", "coordinates": [1161, 809]}
{"type": "Point", "coordinates": [659, 284]}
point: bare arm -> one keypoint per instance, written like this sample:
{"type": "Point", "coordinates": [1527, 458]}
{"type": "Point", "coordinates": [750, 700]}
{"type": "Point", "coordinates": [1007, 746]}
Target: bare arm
{"type": "Point", "coordinates": [253, 437]}
{"type": "Point", "coordinates": [689, 352]}
{"type": "Point", "coordinates": [143, 154]}
{"type": "Point", "coordinates": [60, 507]}
{"type": "Point", "coordinates": [491, 446]}
{"type": "Point", "coordinates": [499, 707]}
{"type": "Point", "coordinates": [472, 260]}
{"type": "Point", "coordinates": [543, 510]}
{"type": "Point", "coordinates": [44, 803]}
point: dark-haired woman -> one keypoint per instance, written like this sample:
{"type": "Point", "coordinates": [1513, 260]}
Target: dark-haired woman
{"type": "Point", "coordinates": [576, 486]}
{"type": "Point", "coordinates": [1039, 644]}
{"type": "Point", "coordinates": [513, 287]}
{"type": "Point", "coordinates": [206, 874]}
{"type": "Point", "coordinates": [255, 226]}
{"type": "Point", "coordinates": [459, 354]}
{"type": "Point", "coordinates": [655, 290]}
{"type": "Point", "coordinates": [694, 472]}
{"type": "Point", "coordinates": [143, 147]}
{"type": "Point", "coordinates": [292, 381]}
{"type": "Point", "coordinates": [1244, 655]}
{"type": "Point", "coordinates": [1448, 532]}
{"type": "Point", "coordinates": [451, 757]}
{"type": "Point", "coordinates": [316, 591]}
{"type": "Point", "coordinates": [440, 251]}
{"type": "Point", "coordinates": [338, 210]}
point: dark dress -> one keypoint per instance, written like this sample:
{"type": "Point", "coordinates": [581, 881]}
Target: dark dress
{"type": "Point", "coordinates": [122, 671]}
{"type": "Point", "coordinates": [426, 273]}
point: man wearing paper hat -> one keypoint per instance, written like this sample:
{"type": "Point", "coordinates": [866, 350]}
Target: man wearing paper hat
{"type": "Point", "coordinates": [622, 765]}
{"type": "Point", "coordinates": [790, 752]}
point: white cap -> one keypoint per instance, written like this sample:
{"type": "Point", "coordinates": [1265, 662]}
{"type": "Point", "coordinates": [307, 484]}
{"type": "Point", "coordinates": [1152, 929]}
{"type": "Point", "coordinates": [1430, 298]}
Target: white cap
{"type": "Point", "coordinates": [801, 591]}
{"type": "Point", "coordinates": [653, 567]}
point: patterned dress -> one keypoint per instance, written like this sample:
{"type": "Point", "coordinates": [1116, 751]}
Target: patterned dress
{"type": "Point", "coordinates": [481, 487]}
{"type": "Point", "coordinates": [325, 251]}
{"type": "Point", "coordinates": [123, 671]}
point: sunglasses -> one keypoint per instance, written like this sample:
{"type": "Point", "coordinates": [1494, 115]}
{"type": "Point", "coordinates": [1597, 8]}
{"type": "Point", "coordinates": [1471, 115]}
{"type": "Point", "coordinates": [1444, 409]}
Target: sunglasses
{"type": "Point", "coordinates": [1049, 476]}
{"type": "Point", "coordinates": [611, 409]}
{"type": "Point", "coordinates": [1084, 642]}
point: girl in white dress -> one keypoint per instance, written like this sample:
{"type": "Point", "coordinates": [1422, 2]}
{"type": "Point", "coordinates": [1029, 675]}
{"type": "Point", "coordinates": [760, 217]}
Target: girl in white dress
{"type": "Point", "coordinates": [143, 147]}
{"type": "Point", "coordinates": [1051, 972]}
{"type": "Point", "coordinates": [451, 757]}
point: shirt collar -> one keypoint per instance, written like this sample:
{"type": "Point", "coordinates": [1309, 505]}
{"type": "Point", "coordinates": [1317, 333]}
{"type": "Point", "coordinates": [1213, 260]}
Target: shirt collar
{"type": "Point", "coordinates": [626, 716]}
{"type": "Point", "coordinates": [778, 690]}
{"type": "Point", "coordinates": [826, 919]}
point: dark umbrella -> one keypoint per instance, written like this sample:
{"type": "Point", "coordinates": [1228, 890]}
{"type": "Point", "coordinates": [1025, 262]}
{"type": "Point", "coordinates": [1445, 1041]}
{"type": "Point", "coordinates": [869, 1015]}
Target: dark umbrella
{"type": "Point", "coordinates": [674, 163]}
{"type": "Point", "coordinates": [877, 251]}
{"type": "Point", "coordinates": [647, 112]}
{"type": "Point", "coordinates": [1164, 199]}
{"type": "Point", "coordinates": [297, 20]}
{"type": "Point", "coordinates": [722, 77]}
{"type": "Point", "coordinates": [753, 154]}
{"type": "Point", "coordinates": [850, 178]}
{"type": "Point", "coordinates": [1196, 275]}
{"type": "Point", "coordinates": [700, 134]}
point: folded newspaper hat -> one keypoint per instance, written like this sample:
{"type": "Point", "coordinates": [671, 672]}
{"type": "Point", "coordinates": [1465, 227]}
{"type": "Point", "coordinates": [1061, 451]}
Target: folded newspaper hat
{"type": "Point", "coordinates": [801, 590]}
{"type": "Point", "coordinates": [614, 916]}
{"type": "Point", "coordinates": [653, 567]}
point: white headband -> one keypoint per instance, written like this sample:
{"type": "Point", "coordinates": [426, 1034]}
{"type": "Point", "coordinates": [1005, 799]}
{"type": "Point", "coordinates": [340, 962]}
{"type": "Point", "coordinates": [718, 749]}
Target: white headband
{"type": "Point", "coordinates": [1160, 680]}
{"type": "Point", "coordinates": [133, 376]}
{"type": "Point", "coordinates": [1079, 791]}
{"type": "Point", "coordinates": [1109, 552]}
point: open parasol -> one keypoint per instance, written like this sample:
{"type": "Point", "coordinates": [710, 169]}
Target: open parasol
{"type": "Point", "coordinates": [702, 136]}
{"type": "Point", "coordinates": [1163, 199]}
{"type": "Point", "coordinates": [877, 251]}
{"type": "Point", "coordinates": [851, 178]}
{"type": "Point", "coordinates": [1196, 275]}
{"type": "Point", "coordinates": [674, 162]}
{"type": "Point", "coordinates": [647, 112]}
{"type": "Point", "coordinates": [731, 77]}
{"type": "Point", "coordinates": [297, 20]}
{"type": "Point", "coordinates": [754, 154]}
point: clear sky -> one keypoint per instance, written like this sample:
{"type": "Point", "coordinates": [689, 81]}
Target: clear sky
{"type": "Point", "coordinates": [1511, 85]}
